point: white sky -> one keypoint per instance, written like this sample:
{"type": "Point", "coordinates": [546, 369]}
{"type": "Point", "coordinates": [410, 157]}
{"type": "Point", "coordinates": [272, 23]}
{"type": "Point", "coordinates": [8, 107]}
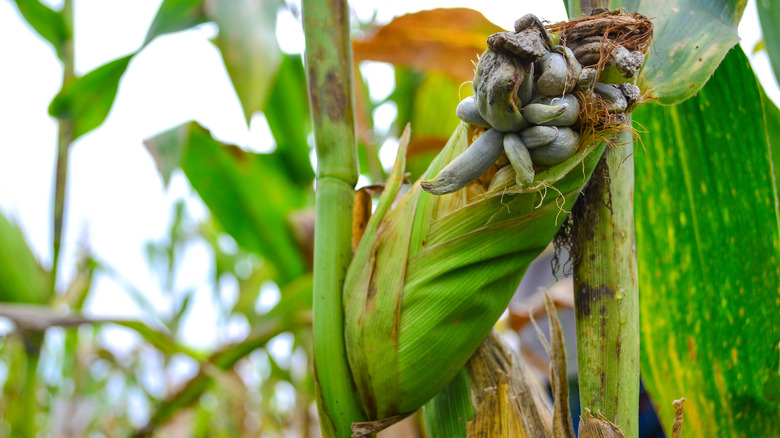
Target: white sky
{"type": "Point", "coordinates": [116, 202]}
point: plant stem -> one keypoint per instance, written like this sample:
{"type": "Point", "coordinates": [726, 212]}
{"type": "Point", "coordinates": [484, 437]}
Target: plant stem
{"type": "Point", "coordinates": [27, 425]}
{"type": "Point", "coordinates": [329, 77]}
{"type": "Point", "coordinates": [64, 140]}
{"type": "Point", "coordinates": [606, 294]}
{"type": "Point", "coordinates": [33, 341]}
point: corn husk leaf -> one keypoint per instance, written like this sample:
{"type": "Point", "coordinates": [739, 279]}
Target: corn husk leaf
{"type": "Point", "coordinates": [433, 274]}
{"type": "Point", "coordinates": [507, 400]}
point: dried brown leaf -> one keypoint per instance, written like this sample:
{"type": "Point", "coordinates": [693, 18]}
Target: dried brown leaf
{"type": "Point", "coordinates": [679, 406]}
{"type": "Point", "coordinates": [562, 424]}
{"type": "Point", "coordinates": [361, 212]}
{"type": "Point", "coordinates": [445, 40]}
{"type": "Point", "coordinates": [597, 427]}
{"type": "Point", "coordinates": [507, 399]}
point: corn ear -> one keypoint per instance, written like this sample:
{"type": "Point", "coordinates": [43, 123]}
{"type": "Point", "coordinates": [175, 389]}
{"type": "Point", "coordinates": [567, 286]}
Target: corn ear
{"type": "Point", "coordinates": [432, 275]}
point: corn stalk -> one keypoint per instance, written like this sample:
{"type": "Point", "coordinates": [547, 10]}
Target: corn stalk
{"type": "Point", "coordinates": [605, 284]}
{"type": "Point", "coordinates": [33, 339]}
{"type": "Point", "coordinates": [329, 77]}
{"type": "Point", "coordinates": [65, 136]}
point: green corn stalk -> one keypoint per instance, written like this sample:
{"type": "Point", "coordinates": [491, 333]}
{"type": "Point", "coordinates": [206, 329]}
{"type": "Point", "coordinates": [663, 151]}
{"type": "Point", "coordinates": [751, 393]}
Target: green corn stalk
{"type": "Point", "coordinates": [65, 136]}
{"type": "Point", "coordinates": [329, 77]}
{"type": "Point", "coordinates": [606, 295]}
{"type": "Point", "coordinates": [605, 284]}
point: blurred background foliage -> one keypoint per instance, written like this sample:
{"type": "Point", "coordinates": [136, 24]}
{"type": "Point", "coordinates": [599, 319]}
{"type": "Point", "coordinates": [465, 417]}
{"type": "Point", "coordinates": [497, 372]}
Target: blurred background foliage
{"type": "Point", "coordinates": [59, 373]}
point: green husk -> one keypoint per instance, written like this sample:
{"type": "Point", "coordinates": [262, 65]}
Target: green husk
{"type": "Point", "coordinates": [448, 414]}
{"type": "Point", "coordinates": [504, 399]}
{"type": "Point", "coordinates": [433, 274]}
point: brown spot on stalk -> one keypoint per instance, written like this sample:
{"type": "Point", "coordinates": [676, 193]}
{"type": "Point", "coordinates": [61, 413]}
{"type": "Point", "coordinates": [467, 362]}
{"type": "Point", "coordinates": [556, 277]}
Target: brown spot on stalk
{"type": "Point", "coordinates": [587, 295]}
{"type": "Point", "coordinates": [603, 379]}
{"type": "Point", "coordinates": [338, 108]}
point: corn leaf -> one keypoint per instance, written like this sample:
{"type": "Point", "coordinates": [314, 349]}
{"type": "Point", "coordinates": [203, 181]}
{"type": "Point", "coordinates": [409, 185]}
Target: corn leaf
{"type": "Point", "coordinates": [249, 194]}
{"type": "Point", "coordinates": [769, 15]}
{"type": "Point", "coordinates": [287, 113]}
{"type": "Point", "coordinates": [174, 16]}
{"type": "Point", "coordinates": [691, 39]}
{"type": "Point", "coordinates": [707, 244]}
{"type": "Point", "coordinates": [23, 280]}
{"type": "Point", "coordinates": [772, 121]}
{"type": "Point", "coordinates": [47, 22]}
{"type": "Point", "coordinates": [445, 40]}
{"type": "Point", "coordinates": [247, 41]}
{"type": "Point", "coordinates": [87, 100]}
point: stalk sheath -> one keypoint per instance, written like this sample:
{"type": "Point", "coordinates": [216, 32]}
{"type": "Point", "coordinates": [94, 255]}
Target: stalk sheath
{"type": "Point", "coordinates": [329, 77]}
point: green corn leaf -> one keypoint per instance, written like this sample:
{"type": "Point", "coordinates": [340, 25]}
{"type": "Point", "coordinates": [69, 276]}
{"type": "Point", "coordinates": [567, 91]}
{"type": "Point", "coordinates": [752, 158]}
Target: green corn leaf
{"type": "Point", "coordinates": [249, 194]}
{"type": "Point", "coordinates": [22, 279]}
{"type": "Point", "coordinates": [420, 97]}
{"type": "Point", "coordinates": [47, 22]}
{"type": "Point", "coordinates": [174, 16]}
{"type": "Point", "coordinates": [772, 121]}
{"type": "Point", "coordinates": [769, 15]}
{"type": "Point", "coordinates": [428, 282]}
{"type": "Point", "coordinates": [247, 41]}
{"type": "Point", "coordinates": [691, 39]}
{"type": "Point", "coordinates": [707, 244]}
{"type": "Point", "coordinates": [432, 126]}
{"type": "Point", "coordinates": [87, 100]}
{"type": "Point", "coordinates": [287, 113]}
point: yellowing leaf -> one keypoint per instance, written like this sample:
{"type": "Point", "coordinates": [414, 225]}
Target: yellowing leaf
{"type": "Point", "coordinates": [707, 245]}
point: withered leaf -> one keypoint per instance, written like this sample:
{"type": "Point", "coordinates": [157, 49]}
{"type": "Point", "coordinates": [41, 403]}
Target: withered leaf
{"type": "Point", "coordinates": [445, 40]}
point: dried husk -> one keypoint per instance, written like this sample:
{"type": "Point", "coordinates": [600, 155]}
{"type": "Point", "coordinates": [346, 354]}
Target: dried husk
{"type": "Point", "coordinates": [597, 427]}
